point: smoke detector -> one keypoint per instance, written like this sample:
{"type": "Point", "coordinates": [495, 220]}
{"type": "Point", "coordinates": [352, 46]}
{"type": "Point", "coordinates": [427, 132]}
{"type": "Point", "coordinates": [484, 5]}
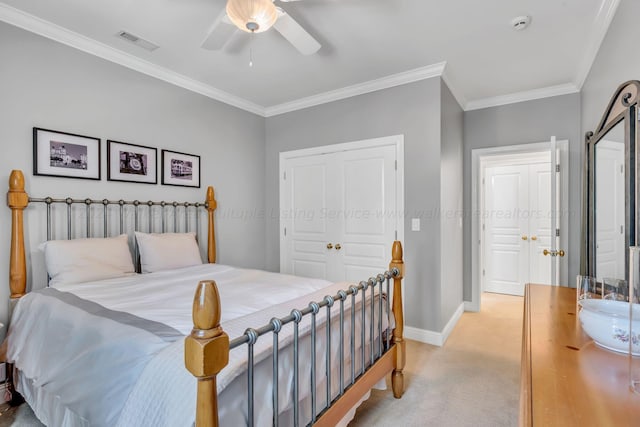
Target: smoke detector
{"type": "Point", "coordinates": [519, 23]}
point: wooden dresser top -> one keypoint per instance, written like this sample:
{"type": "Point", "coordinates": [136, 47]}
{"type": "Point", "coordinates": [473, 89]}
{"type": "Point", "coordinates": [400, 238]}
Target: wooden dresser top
{"type": "Point", "coordinates": [571, 381]}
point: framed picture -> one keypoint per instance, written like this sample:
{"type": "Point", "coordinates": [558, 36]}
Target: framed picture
{"type": "Point", "coordinates": [180, 169]}
{"type": "Point", "coordinates": [131, 163]}
{"type": "Point", "coordinates": [66, 155]}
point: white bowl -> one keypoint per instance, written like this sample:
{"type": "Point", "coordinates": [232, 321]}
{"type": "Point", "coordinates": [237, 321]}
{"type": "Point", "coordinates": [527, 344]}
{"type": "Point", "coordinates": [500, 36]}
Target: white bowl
{"type": "Point", "coordinates": [607, 322]}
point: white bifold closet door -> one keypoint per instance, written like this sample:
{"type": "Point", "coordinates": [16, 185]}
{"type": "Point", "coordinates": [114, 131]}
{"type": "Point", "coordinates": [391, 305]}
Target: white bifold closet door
{"type": "Point", "coordinates": [517, 227]}
{"type": "Point", "coordinates": [339, 213]}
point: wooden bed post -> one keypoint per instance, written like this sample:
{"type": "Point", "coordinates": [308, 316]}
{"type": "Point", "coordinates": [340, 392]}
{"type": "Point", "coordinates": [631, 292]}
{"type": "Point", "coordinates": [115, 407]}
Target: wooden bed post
{"type": "Point", "coordinates": [211, 243]}
{"type": "Point", "coordinates": [206, 351]}
{"type": "Point", "coordinates": [397, 377]}
{"type": "Point", "coordinates": [17, 200]}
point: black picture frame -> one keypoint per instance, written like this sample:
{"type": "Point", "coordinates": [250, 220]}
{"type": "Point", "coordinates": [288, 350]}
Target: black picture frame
{"type": "Point", "coordinates": [180, 169]}
{"type": "Point", "coordinates": [66, 155]}
{"type": "Point", "coordinates": [140, 162]}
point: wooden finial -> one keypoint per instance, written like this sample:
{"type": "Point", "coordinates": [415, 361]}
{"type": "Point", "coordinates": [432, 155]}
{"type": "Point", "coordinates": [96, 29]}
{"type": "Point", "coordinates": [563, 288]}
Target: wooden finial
{"type": "Point", "coordinates": [17, 200]}
{"type": "Point", "coordinates": [211, 200]}
{"type": "Point", "coordinates": [397, 377]}
{"type": "Point", "coordinates": [211, 242]}
{"type": "Point", "coordinates": [206, 351]}
{"type": "Point", "coordinates": [16, 181]}
{"type": "Point", "coordinates": [397, 253]}
{"type": "Point", "coordinates": [206, 310]}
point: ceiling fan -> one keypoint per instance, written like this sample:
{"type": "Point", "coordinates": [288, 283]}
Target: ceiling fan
{"type": "Point", "coordinates": [256, 16]}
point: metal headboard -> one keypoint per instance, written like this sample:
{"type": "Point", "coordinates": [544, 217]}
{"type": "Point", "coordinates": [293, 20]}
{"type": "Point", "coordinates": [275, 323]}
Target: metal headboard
{"type": "Point", "coordinates": [190, 211]}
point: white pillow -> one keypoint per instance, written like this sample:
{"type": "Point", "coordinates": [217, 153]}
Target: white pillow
{"type": "Point", "coordinates": [85, 260]}
{"type": "Point", "coordinates": [167, 251]}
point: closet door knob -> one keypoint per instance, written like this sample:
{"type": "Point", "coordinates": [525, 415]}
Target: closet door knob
{"type": "Point", "coordinates": [329, 246]}
{"type": "Point", "coordinates": [534, 238]}
{"type": "Point", "coordinates": [338, 246]}
{"type": "Point", "coordinates": [524, 237]}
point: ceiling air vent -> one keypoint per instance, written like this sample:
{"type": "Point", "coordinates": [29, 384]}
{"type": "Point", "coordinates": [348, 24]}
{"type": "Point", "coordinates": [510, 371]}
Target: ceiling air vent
{"type": "Point", "coordinates": [132, 38]}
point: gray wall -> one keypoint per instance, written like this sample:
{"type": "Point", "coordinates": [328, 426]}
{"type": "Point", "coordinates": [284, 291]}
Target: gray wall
{"type": "Point", "coordinates": [412, 110]}
{"type": "Point", "coordinates": [526, 122]}
{"type": "Point", "coordinates": [451, 264]}
{"type": "Point", "coordinates": [617, 61]}
{"type": "Point", "coordinates": [49, 85]}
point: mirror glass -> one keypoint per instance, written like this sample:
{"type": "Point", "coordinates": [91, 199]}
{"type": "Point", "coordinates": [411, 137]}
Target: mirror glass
{"type": "Point", "coordinates": [610, 233]}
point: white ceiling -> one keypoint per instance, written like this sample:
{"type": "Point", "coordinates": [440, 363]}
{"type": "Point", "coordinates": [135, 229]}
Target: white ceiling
{"type": "Point", "coordinates": [487, 62]}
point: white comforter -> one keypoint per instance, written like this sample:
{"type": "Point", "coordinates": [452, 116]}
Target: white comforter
{"type": "Point", "coordinates": [242, 292]}
{"type": "Point", "coordinates": [91, 354]}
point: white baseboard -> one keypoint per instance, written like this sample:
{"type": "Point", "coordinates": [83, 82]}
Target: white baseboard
{"type": "Point", "coordinates": [453, 321]}
{"type": "Point", "coordinates": [431, 337]}
{"type": "Point", "coordinates": [471, 306]}
{"type": "Point", "coordinates": [423, 335]}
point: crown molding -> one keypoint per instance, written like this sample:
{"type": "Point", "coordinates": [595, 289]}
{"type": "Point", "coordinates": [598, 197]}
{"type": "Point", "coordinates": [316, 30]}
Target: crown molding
{"type": "Point", "coordinates": [393, 80]}
{"type": "Point", "coordinates": [62, 35]}
{"type": "Point", "coordinates": [528, 95]}
{"type": "Point", "coordinates": [600, 28]}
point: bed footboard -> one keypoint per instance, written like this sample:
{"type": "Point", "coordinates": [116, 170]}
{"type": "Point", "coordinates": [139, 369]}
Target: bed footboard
{"type": "Point", "coordinates": [207, 348]}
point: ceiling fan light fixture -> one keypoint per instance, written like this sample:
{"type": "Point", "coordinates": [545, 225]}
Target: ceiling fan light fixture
{"type": "Point", "coordinates": [252, 16]}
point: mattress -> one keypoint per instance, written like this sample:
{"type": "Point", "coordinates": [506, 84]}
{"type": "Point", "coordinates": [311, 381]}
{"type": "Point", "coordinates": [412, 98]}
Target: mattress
{"type": "Point", "coordinates": [110, 353]}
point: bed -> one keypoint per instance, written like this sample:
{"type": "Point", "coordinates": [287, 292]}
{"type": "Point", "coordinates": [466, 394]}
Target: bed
{"type": "Point", "coordinates": [304, 351]}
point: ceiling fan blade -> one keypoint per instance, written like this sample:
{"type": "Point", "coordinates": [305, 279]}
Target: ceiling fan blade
{"type": "Point", "coordinates": [297, 36]}
{"type": "Point", "coordinates": [219, 33]}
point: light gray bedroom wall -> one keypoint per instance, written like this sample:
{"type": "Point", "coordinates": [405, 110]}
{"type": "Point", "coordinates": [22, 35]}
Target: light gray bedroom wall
{"type": "Point", "coordinates": [617, 61]}
{"type": "Point", "coordinates": [49, 85]}
{"type": "Point", "coordinates": [451, 263]}
{"type": "Point", "coordinates": [412, 110]}
{"type": "Point", "coordinates": [520, 123]}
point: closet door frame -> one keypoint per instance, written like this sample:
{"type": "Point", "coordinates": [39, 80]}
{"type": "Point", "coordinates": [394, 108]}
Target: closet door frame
{"type": "Point", "coordinates": [395, 140]}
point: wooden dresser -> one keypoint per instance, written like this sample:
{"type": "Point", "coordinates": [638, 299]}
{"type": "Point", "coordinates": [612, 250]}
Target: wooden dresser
{"type": "Point", "coordinates": [566, 380]}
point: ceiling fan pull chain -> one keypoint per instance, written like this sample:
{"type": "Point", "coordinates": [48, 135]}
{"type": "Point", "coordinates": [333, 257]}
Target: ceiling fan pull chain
{"type": "Point", "coordinates": [251, 49]}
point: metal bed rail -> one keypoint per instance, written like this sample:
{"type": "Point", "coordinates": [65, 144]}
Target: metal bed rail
{"type": "Point", "coordinates": [296, 316]}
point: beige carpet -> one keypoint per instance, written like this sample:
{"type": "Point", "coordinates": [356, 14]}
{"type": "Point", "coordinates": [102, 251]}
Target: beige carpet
{"type": "Point", "coordinates": [473, 380]}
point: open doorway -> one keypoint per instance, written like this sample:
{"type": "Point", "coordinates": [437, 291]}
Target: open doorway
{"type": "Point", "coordinates": [519, 228]}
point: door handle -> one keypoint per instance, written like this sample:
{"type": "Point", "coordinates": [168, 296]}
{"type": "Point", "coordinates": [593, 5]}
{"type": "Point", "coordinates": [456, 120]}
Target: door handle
{"type": "Point", "coordinates": [524, 237]}
{"type": "Point", "coordinates": [329, 246]}
{"type": "Point", "coordinates": [559, 253]}
{"type": "Point", "coordinates": [338, 246]}
{"type": "Point", "coordinates": [534, 238]}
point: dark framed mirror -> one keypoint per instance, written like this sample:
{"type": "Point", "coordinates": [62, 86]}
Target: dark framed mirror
{"type": "Point", "coordinates": [610, 214]}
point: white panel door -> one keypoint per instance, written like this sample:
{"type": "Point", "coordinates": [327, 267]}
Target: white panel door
{"type": "Point", "coordinates": [610, 233]}
{"type": "Point", "coordinates": [518, 227]}
{"type": "Point", "coordinates": [306, 201]}
{"type": "Point", "coordinates": [367, 188]}
{"type": "Point", "coordinates": [540, 232]}
{"type": "Point", "coordinates": [506, 266]}
{"type": "Point", "coordinates": [340, 213]}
